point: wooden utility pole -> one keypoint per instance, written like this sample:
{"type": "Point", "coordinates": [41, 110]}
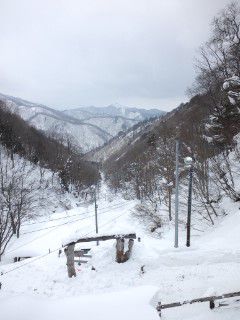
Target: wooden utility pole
{"type": "Point", "coordinates": [96, 207]}
{"type": "Point", "coordinates": [176, 193]}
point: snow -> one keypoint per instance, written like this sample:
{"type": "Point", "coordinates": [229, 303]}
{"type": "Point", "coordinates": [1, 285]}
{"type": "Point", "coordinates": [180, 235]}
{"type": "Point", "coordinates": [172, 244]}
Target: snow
{"type": "Point", "coordinates": [234, 80]}
{"type": "Point", "coordinates": [130, 304]}
{"type": "Point", "coordinates": [79, 234]}
{"type": "Point", "coordinates": [41, 289]}
{"type": "Point", "coordinates": [234, 84]}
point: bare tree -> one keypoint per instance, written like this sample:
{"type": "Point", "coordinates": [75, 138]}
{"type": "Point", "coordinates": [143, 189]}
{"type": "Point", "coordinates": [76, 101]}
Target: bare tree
{"type": "Point", "coordinates": [18, 190]}
{"type": "Point", "coordinates": [6, 231]}
{"type": "Point", "coordinates": [226, 174]}
{"type": "Point", "coordinates": [220, 56]}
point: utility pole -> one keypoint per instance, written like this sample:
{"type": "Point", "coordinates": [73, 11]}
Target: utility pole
{"type": "Point", "coordinates": [189, 205]}
{"type": "Point", "coordinates": [176, 193]}
{"type": "Point", "coordinates": [96, 206]}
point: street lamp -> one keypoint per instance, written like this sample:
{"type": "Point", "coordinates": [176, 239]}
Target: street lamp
{"type": "Point", "coordinates": [176, 194]}
{"type": "Point", "coordinates": [189, 164]}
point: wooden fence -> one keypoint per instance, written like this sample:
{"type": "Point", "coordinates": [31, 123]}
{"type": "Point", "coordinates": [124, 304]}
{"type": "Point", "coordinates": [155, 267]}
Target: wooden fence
{"type": "Point", "coordinates": [209, 299]}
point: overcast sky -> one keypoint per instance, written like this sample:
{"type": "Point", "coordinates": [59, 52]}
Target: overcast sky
{"type": "Point", "coordinates": [69, 53]}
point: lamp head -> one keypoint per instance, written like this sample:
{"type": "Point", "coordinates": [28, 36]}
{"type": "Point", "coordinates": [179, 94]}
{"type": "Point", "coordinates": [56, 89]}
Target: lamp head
{"type": "Point", "coordinates": [188, 161]}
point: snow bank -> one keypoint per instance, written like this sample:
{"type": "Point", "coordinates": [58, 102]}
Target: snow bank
{"type": "Point", "coordinates": [127, 305]}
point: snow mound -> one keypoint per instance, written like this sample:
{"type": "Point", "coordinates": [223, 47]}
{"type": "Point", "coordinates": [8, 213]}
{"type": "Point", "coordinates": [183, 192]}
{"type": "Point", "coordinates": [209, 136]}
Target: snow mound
{"type": "Point", "coordinates": [128, 305]}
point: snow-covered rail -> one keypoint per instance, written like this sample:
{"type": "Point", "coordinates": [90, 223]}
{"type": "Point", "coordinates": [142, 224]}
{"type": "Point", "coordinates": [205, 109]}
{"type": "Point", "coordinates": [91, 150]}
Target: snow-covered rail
{"type": "Point", "coordinates": [209, 299]}
{"type": "Point", "coordinates": [103, 238]}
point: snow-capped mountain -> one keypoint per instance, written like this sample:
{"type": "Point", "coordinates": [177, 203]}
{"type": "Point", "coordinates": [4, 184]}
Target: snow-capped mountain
{"type": "Point", "coordinates": [86, 127]}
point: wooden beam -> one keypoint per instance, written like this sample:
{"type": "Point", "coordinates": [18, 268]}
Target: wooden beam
{"type": "Point", "coordinates": [103, 238]}
{"type": "Point", "coordinates": [80, 261]}
{"type": "Point", "coordinates": [16, 259]}
{"type": "Point", "coordinates": [209, 299]}
{"type": "Point", "coordinates": [80, 253]}
{"type": "Point", "coordinates": [86, 250]}
{"type": "Point", "coordinates": [87, 256]}
{"type": "Point", "coordinates": [204, 299]}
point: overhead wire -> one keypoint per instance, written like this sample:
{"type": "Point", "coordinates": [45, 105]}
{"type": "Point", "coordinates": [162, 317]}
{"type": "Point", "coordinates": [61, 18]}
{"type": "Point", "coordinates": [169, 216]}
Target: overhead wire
{"type": "Point", "coordinates": [52, 251]}
{"type": "Point", "coordinates": [61, 218]}
{"type": "Point", "coordinates": [68, 222]}
{"type": "Point", "coordinates": [55, 227]}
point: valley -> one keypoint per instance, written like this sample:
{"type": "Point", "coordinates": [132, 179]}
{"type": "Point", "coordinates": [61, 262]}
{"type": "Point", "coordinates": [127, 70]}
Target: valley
{"type": "Point", "coordinates": [120, 211]}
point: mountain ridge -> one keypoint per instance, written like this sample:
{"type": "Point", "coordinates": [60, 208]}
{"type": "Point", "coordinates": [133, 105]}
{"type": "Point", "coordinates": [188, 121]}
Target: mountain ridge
{"type": "Point", "coordinates": [86, 127]}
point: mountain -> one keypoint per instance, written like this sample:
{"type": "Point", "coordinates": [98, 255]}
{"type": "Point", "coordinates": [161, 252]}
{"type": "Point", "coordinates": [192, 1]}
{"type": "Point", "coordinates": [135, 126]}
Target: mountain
{"type": "Point", "coordinates": [116, 147]}
{"type": "Point", "coordinates": [37, 173]}
{"type": "Point", "coordinates": [27, 142]}
{"type": "Point", "coordinates": [141, 163]}
{"type": "Point", "coordinates": [85, 127]}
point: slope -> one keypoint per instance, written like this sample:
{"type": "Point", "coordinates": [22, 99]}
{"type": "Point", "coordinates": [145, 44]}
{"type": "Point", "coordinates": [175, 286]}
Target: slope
{"type": "Point", "coordinates": [86, 127]}
{"type": "Point", "coordinates": [112, 290]}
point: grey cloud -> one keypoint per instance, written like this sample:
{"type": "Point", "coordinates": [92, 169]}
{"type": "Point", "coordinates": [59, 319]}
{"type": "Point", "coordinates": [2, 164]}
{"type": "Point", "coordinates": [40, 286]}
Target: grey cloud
{"type": "Point", "coordinates": [68, 53]}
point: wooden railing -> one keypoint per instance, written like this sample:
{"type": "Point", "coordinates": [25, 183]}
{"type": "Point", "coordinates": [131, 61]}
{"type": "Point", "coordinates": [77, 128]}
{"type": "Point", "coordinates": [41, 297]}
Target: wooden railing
{"type": "Point", "coordinates": [209, 299]}
{"type": "Point", "coordinates": [103, 238]}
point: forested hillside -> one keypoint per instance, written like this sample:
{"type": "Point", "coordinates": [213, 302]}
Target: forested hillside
{"type": "Point", "coordinates": [206, 126]}
{"type": "Point", "coordinates": [36, 175]}
{"type": "Point", "coordinates": [21, 138]}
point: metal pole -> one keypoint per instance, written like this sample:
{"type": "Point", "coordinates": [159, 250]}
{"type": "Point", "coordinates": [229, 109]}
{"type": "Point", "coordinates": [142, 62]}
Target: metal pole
{"type": "Point", "coordinates": [189, 206]}
{"type": "Point", "coordinates": [96, 217]}
{"type": "Point", "coordinates": [176, 194]}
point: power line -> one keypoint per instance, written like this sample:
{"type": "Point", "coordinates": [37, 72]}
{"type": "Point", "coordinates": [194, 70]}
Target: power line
{"type": "Point", "coordinates": [73, 215]}
{"type": "Point", "coordinates": [23, 245]}
{"type": "Point", "coordinates": [55, 226]}
{"type": "Point", "coordinates": [68, 222]}
{"type": "Point", "coordinates": [43, 256]}
{"type": "Point", "coordinates": [41, 236]}
{"type": "Point", "coordinates": [18, 267]}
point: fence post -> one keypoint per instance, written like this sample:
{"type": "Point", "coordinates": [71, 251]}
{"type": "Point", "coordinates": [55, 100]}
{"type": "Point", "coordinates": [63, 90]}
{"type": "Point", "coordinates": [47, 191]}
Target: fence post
{"type": "Point", "coordinates": [211, 304]}
{"type": "Point", "coordinates": [159, 309]}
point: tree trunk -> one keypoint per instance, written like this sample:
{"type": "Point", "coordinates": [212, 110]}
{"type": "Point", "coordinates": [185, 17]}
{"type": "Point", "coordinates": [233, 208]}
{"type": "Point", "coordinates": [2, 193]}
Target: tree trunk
{"type": "Point", "coordinates": [129, 251]}
{"type": "Point", "coordinates": [120, 250]}
{"type": "Point", "coordinates": [14, 229]}
{"type": "Point", "coordinates": [69, 251]}
{"type": "Point", "coordinates": [170, 204]}
{"type": "Point", "coordinates": [18, 231]}
{"type": "Point", "coordinates": [120, 255]}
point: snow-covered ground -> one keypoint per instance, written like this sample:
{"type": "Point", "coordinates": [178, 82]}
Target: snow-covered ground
{"type": "Point", "coordinates": [39, 288]}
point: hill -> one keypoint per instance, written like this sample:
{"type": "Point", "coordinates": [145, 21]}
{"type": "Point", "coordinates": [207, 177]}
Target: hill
{"type": "Point", "coordinates": [37, 173]}
{"type": "Point", "coordinates": [86, 127]}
